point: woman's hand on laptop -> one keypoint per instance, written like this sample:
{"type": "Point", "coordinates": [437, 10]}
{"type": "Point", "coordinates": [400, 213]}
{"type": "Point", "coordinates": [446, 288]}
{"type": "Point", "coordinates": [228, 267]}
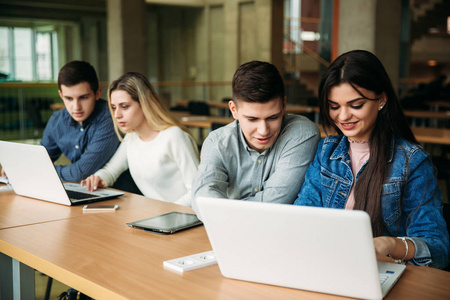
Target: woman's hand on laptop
{"type": "Point", "coordinates": [93, 182]}
{"type": "Point", "coordinates": [394, 247]}
{"type": "Point", "coordinates": [383, 246]}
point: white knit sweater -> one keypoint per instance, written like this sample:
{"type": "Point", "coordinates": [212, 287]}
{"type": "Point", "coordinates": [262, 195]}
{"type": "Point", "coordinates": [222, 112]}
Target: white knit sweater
{"type": "Point", "coordinates": [163, 168]}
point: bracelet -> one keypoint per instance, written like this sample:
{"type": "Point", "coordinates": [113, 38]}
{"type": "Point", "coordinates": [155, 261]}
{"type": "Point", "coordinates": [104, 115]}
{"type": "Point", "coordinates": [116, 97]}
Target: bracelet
{"type": "Point", "coordinates": [402, 261]}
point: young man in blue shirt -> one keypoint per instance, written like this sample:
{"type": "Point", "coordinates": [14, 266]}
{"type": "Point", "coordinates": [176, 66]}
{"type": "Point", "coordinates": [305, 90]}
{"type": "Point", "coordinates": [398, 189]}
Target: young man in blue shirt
{"type": "Point", "coordinates": [84, 130]}
{"type": "Point", "coordinates": [263, 155]}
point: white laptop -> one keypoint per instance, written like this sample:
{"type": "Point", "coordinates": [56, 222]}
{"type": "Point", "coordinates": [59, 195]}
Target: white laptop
{"type": "Point", "coordinates": [317, 249]}
{"type": "Point", "coordinates": [32, 174]}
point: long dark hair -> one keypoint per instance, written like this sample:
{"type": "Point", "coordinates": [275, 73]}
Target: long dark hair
{"type": "Point", "coordinates": [363, 69]}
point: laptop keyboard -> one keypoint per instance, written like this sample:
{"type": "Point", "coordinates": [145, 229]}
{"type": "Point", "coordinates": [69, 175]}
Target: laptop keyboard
{"type": "Point", "coordinates": [383, 278]}
{"type": "Point", "coordinates": [78, 195]}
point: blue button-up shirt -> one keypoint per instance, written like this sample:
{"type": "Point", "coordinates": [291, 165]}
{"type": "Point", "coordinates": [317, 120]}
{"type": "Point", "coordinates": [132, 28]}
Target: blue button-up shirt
{"type": "Point", "coordinates": [411, 201]}
{"type": "Point", "coordinates": [88, 146]}
{"type": "Point", "coordinates": [229, 168]}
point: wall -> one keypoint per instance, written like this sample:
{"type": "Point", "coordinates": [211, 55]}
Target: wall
{"type": "Point", "coordinates": [208, 43]}
{"type": "Point", "coordinates": [356, 30]}
{"type": "Point", "coordinates": [376, 28]}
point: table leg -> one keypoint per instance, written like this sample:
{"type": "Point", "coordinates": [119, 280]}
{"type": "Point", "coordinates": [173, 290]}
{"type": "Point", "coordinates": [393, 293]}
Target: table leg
{"type": "Point", "coordinates": [17, 279]}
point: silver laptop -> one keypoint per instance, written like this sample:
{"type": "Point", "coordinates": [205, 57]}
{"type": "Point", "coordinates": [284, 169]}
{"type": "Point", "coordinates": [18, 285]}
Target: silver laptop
{"type": "Point", "coordinates": [317, 249]}
{"type": "Point", "coordinates": [32, 174]}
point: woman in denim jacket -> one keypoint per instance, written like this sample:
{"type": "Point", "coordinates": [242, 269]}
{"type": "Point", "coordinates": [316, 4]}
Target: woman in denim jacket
{"type": "Point", "coordinates": [375, 164]}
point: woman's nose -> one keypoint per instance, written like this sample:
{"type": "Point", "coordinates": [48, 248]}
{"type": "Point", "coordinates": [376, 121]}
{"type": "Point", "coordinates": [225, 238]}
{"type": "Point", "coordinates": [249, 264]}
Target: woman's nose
{"type": "Point", "coordinates": [344, 114]}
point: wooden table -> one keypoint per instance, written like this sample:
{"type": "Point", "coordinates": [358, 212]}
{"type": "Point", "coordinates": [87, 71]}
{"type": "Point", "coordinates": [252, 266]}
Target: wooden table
{"type": "Point", "coordinates": [428, 114]}
{"type": "Point", "coordinates": [434, 116]}
{"type": "Point", "coordinates": [99, 255]}
{"type": "Point", "coordinates": [224, 105]}
{"type": "Point", "coordinates": [200, 122]}
{"type": "Point", "coordinates": [20, 211]}
{"type": "Point", "coordinates": [295, 109]}
{"type": "Point", "coordinates": [204, 122]}
{"type": "Point", "coordinates": [435, 105]}
{"type": "Point", "coordinates": [428, 135]}
{"type": "Point", "coordinates": [16, 211]}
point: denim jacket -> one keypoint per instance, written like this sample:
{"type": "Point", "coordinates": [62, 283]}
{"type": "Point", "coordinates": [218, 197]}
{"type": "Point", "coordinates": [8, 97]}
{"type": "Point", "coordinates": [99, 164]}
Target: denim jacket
{"type": "Point", "coordinates": [411, 183]}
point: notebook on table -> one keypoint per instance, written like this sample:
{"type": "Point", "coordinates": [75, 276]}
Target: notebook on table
{"type": "Point", "coordinates": [316, 249]}
{"type": "Point", "coordinates": [32, 174]}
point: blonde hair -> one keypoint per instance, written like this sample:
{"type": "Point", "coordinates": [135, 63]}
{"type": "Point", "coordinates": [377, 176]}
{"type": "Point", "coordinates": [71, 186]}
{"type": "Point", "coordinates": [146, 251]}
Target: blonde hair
{"type": "Point", "coordinates": [139, 88]}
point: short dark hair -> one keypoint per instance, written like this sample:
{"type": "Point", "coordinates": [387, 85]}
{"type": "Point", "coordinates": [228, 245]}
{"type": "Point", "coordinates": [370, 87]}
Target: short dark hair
{"type": "Point", "coordinates": [257, 81]}
{"type": "Point", "coordinates": [78, 71]}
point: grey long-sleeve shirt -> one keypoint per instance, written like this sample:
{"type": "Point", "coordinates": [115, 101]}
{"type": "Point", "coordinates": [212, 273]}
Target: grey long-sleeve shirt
{"type": "Point", "coordinates": [229, 168]}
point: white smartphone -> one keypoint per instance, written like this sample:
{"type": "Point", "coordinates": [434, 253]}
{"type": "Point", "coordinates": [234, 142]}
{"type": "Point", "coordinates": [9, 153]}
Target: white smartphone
{"type": "Point", "coordinates": [100, 207]}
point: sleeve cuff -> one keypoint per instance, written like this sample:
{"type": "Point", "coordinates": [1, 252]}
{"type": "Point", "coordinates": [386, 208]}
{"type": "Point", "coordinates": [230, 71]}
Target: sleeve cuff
{"type": "Point", "coordinates": [422, 256]}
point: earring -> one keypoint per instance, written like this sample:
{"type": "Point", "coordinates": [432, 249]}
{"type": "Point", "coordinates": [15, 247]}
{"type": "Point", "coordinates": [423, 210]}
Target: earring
{"type": "Point", "coordinates": [381, 107]}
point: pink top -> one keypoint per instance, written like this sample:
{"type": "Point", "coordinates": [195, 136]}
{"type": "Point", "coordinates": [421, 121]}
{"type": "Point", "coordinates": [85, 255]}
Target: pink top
{"type": "Point", "coordinates": [359, 153]}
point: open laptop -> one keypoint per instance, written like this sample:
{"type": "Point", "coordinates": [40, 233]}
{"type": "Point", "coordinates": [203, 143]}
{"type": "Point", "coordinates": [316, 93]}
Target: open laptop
{"type": "Point", "coordinates": [32, 174]}
{"type": "Point", "coordinates": [317, 249]}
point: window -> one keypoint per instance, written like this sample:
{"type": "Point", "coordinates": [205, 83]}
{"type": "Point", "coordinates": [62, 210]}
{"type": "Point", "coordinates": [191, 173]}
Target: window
{"type": "Point", "coordinates": [4, 54]}
{"type": "Point", "coordinates": [44, 56]}
{"type": "Point", "coordinates": [27, 54]}
{"type": "Point", "coordinates": [22, 44]}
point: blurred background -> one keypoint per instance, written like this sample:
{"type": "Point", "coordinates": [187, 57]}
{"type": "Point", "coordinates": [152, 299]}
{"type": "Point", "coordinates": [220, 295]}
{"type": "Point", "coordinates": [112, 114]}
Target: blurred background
{"type": "Point", "coordinates": [189, 49]}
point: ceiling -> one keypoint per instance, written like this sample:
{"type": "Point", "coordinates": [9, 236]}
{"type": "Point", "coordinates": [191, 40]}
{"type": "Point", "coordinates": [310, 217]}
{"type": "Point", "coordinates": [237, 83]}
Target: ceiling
{"type": "Point", "coordinates": [69, 10]}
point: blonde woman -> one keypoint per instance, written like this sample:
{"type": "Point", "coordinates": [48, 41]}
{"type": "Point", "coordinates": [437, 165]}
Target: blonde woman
{"type": "Point", "coordinates": [161, 154]}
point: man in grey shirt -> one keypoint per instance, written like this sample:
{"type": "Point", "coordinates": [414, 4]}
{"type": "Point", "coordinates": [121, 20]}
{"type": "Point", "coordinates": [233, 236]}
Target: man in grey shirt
{"type": "Point", "coordinates": [264, 154]}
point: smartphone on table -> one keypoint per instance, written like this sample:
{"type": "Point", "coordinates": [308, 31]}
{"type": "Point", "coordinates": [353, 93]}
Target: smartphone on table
{"type": "Point", "coordinates": [100, 207]}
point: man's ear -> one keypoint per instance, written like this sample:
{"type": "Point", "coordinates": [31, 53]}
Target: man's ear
{"type": "Point", "coordinates": [98, 94]}
{"type": "Point", "coordinates": [233, 108]}
{"type": "Point", "coordinates": [60, 95]}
